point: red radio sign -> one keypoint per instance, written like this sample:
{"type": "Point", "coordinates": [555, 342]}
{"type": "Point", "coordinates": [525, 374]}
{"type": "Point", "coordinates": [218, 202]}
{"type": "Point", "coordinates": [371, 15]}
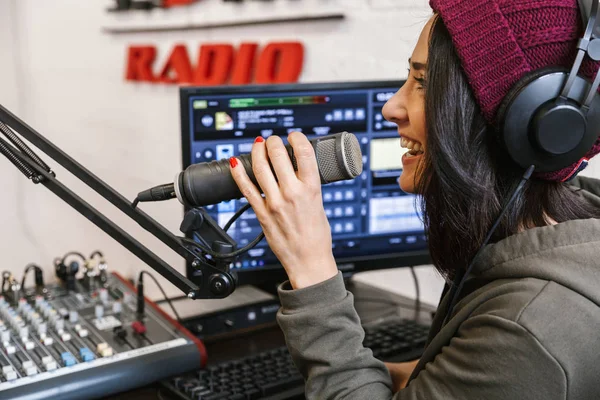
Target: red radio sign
{"type": "Point", "coordinates": [219, 64]}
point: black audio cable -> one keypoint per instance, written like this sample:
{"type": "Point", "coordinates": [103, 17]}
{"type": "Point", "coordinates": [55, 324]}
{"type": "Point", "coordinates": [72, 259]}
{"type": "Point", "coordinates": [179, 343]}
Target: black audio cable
{"type": "Point", "coordinates": [236, 253]}
{"type": "Point", "coordinates": [140, 297]}
{"type": "Point", "coordinates": [74, 253]}
{"type": "Point", "coordinates": [39, 275]}
{"type": "Point", "coordinates": [5, 277]}
{"type": "Point", "coordinates": [96, 253]}
{"type": "Point", "coordinates": [417, 292]}
{"type": "Point", "coordinates": [457, 288]}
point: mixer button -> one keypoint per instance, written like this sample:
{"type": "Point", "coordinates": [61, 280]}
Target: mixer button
{"type": "Point", "coordinates": [104, 296]}
{"type": "Point", "coordinates": [99, 309]}
{"type": "Point", "coordinates": [65, 337]}
{"type": "Point", "coordinates": [31, 371]}
{"type": "Point", "coordinates": [10, 376]}
{"type": "Point", "coordinates": [5, 336]}
{"type": "Point", "coordinates": [29, 345]}
{"type": "Point", "coordinates": [101, 346]}
{"type": "Point", "coordinates": [83, 333]}
{"type": "Point", "coordinates": [6, 368]}
{"type": "Point", "coordinates": [68, 359]}
{"type": "Point", "coordinates": [10, 349]}
{"type": "Point", "coordinates": [117, 307]}
{"type": "Point", "coordinates": [138, 327]}
{"type": "Point", "coordinates": [73, 316]}
{"type": "Point", "coordinates": [86, 354]}
{"type": "Point", "coordinates": [42, 328]}
{"type": "Point", "coordinates": [59, 325]}
{"type": "Point", "coordinates": [48, 341]}
{"type": "Point", "coordinates": [47, 360]}
{"type": "Point", "coordinates": [107, 352]}
{"type": "Point", "coordinates": [51, 366]}
{"type": "Point", "coordinates": [27, 364]}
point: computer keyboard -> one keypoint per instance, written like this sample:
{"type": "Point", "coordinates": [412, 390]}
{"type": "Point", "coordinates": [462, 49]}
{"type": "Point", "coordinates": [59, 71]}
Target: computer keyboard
{"type": "Point", "coordinates": [271, 375]}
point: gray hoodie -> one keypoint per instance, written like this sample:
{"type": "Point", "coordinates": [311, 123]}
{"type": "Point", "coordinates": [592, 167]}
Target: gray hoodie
{"type": "Point", "coordinates": [528, 326]}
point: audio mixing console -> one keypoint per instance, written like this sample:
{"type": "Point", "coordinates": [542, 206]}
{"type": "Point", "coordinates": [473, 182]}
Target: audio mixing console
{"type": "Point", "coordinates": [83, 339]}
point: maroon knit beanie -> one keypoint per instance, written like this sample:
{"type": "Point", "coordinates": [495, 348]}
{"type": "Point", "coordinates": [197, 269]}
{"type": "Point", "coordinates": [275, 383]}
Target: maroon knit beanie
{"type": "Point", "coordinates": [500, 41]}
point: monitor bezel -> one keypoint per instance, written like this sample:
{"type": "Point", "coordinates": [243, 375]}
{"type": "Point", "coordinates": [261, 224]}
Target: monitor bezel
{"type": "Point", "coordinates": [275, 273]}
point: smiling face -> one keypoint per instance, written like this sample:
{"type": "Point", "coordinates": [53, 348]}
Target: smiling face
{"type": "Point", "coordinates": [407, 110]}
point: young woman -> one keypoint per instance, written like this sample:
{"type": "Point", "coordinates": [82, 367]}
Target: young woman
{"type": "Point", "coordinates": [528, 320]}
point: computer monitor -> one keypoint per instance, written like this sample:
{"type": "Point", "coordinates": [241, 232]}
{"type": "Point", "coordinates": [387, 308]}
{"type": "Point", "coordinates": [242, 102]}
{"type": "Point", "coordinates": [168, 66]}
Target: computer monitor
{"type": "Point", "coordinates": [374, 223]}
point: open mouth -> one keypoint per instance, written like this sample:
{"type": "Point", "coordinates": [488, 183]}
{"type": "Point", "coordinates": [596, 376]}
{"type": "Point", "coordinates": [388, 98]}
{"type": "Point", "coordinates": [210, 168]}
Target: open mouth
{"type": "Point", "coordinates": [414, 148]}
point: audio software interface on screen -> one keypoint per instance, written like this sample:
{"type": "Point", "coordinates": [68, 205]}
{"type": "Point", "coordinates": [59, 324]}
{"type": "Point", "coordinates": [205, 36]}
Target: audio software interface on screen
{"type": "Point", "coordinates": [369, 215]}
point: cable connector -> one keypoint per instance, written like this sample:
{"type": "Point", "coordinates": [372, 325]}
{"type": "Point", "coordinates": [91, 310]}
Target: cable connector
{"type": "Point", "coordinates": [141, 302]}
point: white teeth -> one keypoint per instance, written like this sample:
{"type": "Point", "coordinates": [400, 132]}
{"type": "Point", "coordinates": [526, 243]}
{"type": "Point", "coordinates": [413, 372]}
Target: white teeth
{"type": "Point", "coordinates": [414, 148]}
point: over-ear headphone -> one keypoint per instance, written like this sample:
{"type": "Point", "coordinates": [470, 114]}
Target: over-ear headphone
{"type": "Point", "coordinates": [551, 117]}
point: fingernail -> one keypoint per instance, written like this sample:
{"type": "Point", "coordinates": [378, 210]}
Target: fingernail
{"type": "Point", "coordinates": [233, 162]}
{"type": "Point", "coordinates": [259, 140]}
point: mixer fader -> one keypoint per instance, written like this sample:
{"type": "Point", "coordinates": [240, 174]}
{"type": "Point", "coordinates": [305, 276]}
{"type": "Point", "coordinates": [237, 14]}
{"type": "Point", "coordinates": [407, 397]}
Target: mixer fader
{"type": "Point", "coordinates": [84, 338]}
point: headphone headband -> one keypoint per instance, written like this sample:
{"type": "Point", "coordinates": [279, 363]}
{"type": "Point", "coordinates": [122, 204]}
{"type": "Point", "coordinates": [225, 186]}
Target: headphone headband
{"type": "Point", "coordinates": [551, 119]}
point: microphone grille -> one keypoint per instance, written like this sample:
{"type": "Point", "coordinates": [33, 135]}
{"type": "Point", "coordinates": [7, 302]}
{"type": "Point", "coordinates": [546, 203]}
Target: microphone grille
{"type": "Point", "coordinates": [339, 157]}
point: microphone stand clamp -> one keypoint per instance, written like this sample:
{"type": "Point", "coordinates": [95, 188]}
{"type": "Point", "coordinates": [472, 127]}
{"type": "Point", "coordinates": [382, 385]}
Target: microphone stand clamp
{"type": "Point", "coordinates": [199, 225]}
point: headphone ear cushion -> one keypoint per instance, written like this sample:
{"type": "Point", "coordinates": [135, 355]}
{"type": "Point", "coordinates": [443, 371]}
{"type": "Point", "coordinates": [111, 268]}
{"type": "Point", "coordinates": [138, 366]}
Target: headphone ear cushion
{"type": "Point", "coordinates": [516, 90]}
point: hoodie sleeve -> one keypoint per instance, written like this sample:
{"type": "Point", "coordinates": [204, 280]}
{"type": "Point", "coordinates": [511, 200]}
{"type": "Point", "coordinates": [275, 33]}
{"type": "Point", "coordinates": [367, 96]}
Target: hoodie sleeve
{"type": "Point", "coordinates": [490, 357]}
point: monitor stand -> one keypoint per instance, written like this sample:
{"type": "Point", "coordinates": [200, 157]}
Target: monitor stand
{"type": "Point", "coordinates": [373, 305]}
{"type": "Point", "coordinates": [371, 301]}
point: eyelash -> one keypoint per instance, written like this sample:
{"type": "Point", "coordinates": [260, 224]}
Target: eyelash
{"type": "Point", "coordinates": [420, 81]}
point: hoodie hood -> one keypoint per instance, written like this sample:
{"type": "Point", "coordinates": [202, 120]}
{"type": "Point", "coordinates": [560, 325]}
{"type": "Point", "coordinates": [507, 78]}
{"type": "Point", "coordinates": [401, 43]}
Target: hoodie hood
{"type": "Point", "coordinates": [567, 253]}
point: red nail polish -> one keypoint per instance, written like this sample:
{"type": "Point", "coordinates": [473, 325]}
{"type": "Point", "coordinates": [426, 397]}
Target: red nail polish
{"type": "Point", "coordinates": [259, 140]}
{"type": "Point", "coordinates": [233, 162]}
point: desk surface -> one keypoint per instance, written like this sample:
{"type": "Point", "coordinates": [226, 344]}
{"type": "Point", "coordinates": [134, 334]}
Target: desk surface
{"type": "Point", "coordinates": [371, 303]}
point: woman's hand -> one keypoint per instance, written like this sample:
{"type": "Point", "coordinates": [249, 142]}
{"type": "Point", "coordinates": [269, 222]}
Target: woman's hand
{"type": "Point", "coordinates": [400, 373]}
{"type": "Point", "coordinates": [291, 213]}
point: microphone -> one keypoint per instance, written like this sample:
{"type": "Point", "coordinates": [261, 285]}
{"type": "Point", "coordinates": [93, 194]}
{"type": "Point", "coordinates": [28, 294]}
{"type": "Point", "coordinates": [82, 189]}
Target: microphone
{"type": "Point", "coordinates": [338, 157]}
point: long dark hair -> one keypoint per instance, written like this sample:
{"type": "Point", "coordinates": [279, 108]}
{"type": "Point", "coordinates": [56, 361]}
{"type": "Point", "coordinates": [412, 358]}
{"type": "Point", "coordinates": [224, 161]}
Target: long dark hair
{"type": "Point", "coordinates": [465, 175]}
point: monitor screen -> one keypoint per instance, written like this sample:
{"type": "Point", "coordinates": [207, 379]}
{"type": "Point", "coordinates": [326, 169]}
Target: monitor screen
{"type": "Point", "coordinates": [374, 224]}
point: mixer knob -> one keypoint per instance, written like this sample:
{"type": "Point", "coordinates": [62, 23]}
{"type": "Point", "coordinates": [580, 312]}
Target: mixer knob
{"type": "Point", "coordinates": [99, 311]}
{"type": "Point", "coordinates": [73, 316]}
{"type": "Point", "coordinates": [5, 336]}
{"type": "Point", "coordinates": [63, 312]}
{"type": "Point", "coordinates": [42, 328]}
{"type": "Point", "coordinates": [22, 303]}
{"type": "Point", "coordinates": [117, 307]}
{"type": "Point", "coordinates": [59, 325]}
{"type": "Point", "coordinates": [103, 295]}
{"type": "Point", "coordinates": [10, 349]}
{"type": "Point", "coordinates": [39, 300]}
{"type": "Point", "coordinates": [9, 373]}
{"type": "Point", "coordinates": [51, 366]}
{"type": "Point", "coordinates": [24, 332]}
